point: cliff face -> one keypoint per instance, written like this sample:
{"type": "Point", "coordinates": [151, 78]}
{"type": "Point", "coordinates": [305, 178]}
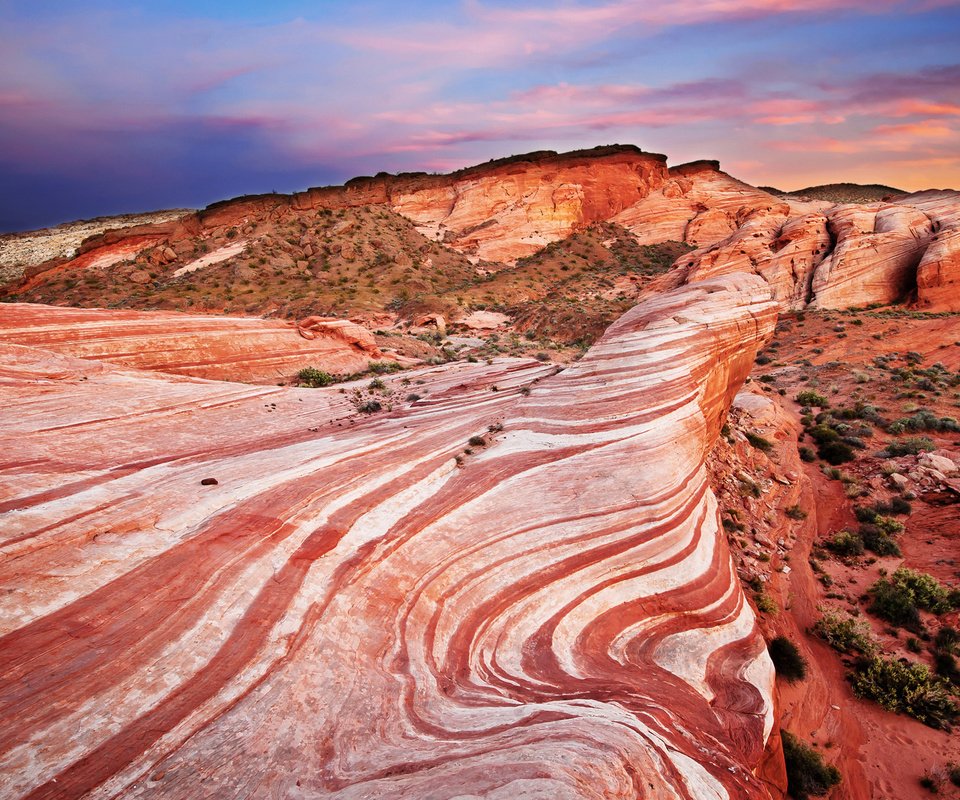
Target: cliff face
{"type": "Point", "coordinates": [488, 216]}
{"type": "Point", "coordinates": [513, 210]}
{"type": "Point", "coordinates": [363, 607]}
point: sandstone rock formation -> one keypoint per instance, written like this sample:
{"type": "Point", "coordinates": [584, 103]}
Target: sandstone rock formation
{"type": "Point", "coordinates": [222, 348]}
{"type": "Point", "coordinates": [360, 606]}
{"type": "Point", "coordinates": [18, 250]}
{"type": "Point", "coordinates": [810, 252]}
{"type": "Point", "coordinates": [847, 255]}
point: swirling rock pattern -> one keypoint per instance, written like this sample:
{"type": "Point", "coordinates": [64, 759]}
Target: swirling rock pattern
{"type": "Point", "coordinates": [223, 348]}
{"type": "Point", "coordinates": [362, 608]}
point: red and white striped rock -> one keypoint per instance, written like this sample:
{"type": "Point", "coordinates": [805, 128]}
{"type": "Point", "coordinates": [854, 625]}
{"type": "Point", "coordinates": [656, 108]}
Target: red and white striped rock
{"type": "Point", "coordinates": [222, 348]}
{"type": "Point", "coordinates": [351, 612]}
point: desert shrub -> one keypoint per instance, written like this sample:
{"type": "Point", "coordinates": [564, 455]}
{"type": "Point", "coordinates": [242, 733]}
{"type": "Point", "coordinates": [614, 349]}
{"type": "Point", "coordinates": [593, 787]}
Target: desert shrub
{"type": "Point", "coordinates": [947, 639]}
{"type": "Point", "coordinates": [822, 433]}
{"type": "Point", "coordinates": [846, 544]}
{"type": "Point", "coordinates": [766, 604]}
{"type": "Point", "coordinates": [910, 447]}
{"type": "Point", "coordinates": [845, 634]}
{"type": "Point", "coordinates": [894, 603]}
{"type": "Point", "coordinates": [888, 526]}
{"type": "Point", "coordinates": [930, 594]}
{"type": "Point", "coordinates": [923, 420]}
{"type": "Point", "coordinates": [807, 774]}
{"type": "Point", "coordinates": [808, 397]}
{"type": "Point", "coordinates": [757, 441]}
{"type": "Point", "coordinates": [795, 512]}
{"type": "Point", "coordinates": [896, 505]}
{"type": "Point", "coordinates": [370, 407]}
{"type": "Point", "coordinates": [314, 378]}
{"type": "Point", "coordinates": [787, 660]}
{"type": "Point", "coordinates": [876, 541]}
{"type": "Point", "coordinates": [384, 367]}
{"type": "Point", "coordinates": [907, 688]}
{"type": "Point", "coordinates": [376, 385]}
{"type": "Point", "coordinates": [898, 598]}
{"type": "Point", "coordinates": [477, 441]}
{"type": "Point", "coordinates": [945, 664]}
{"type": "Point", "coordinates": [836, 452]}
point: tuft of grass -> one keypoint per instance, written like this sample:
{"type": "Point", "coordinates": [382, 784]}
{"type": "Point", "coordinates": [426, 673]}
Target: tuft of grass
{"type": "Point", "coordinates": [757, 441]}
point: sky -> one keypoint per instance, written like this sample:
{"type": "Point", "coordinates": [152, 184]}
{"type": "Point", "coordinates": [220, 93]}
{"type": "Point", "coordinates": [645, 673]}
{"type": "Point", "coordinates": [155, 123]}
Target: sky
{"type": "Point", "coordinates": [114, 107]}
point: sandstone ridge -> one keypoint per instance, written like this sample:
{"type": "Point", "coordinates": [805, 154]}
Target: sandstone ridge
{"type": "Point", "coordinates": [358, 606]}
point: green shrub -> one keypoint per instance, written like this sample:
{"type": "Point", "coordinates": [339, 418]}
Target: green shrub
{"type": "Point", "coordinates": [953, 770]}
{"type": "Point", "coordinates": [384, 367]}
{"type": "Point", "coordinates": [314, 378]}
{"type": "Point", "coordinates": [845, 634]}
{"type": "Point", "coordinates": [836, 452]}
{"type": "Point", "coordinates": [923, 421]}
{"type": "Point", "coordinates": [795, 512]}
{"type": "Point", "coordinates": [898, 598]}
{"type": "Point", "coordinates": [808, 397]}
{"type": "Point", "coordinates": [846, 544]}
{"type": "Point", "coordinates": [766, 604]}
{"type": "Point", "coordinates": [906, 687]}
{"type": "Point", "coordinates": [787, 660]}
{"type": "Point", "coordinates": [876, 541]}
{"type": "Point", "coordinates": [894, 603]}
{"type": "Point", "coordinates": [756, 440]}
{"type": "Point", "coordinates": [807, 774]}
{"type": "Point", "coordinates": [806, 454]}
{"type": "Point", "coordinates": [947, 639]}
{"type": "Point", "coordinates": [910, 447]}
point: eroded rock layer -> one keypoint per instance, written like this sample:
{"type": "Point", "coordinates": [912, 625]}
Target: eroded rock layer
{"type": "Point", "coordinates": [222, 348]}
{"type": "Point", "coordinates": [376, 606]}
{"type": "Point", "coordinates": [907, 249]}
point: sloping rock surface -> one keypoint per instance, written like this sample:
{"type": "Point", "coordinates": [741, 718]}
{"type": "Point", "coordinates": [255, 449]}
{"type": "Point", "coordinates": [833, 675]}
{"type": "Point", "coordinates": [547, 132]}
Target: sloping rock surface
{"type": "Point", "coordinates": [367, 606]}
{"type": "Point", "coordinates": [222, 348]}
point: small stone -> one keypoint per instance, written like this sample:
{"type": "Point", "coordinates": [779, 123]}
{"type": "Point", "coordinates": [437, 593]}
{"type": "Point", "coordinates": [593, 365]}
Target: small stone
{"type": "Point", "coordinates": [938, 463]}
{"type": "Point", "coordinates": [209, 482]}
{"type": "Point", "coordinates": [898, 481]}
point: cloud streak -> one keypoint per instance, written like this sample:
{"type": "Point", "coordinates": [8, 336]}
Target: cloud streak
{"type": "Point", "coordinates": [205, 107]}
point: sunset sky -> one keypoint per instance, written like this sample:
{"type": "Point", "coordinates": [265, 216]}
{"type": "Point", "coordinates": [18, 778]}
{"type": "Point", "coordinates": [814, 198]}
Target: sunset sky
{"type": "Point", "coordinates": [109, 107]}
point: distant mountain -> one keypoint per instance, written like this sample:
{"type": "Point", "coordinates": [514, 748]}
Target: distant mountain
{"type": "Point", "coordinates": [840, 192]}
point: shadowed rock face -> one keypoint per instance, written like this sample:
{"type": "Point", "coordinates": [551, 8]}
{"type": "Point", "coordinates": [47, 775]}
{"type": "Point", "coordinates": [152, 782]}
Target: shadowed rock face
{"type": "Point", "coordinates": [359, 607]}
{"type": "Point", "coordinates": [222, 348]}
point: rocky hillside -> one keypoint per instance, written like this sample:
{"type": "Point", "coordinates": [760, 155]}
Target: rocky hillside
{"type": "Point", "coordinates": [621, 480]}
{"type": "Point", "coordinates": [840, 193]}
{"type": "Point", "coordinates": [560, 244]}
